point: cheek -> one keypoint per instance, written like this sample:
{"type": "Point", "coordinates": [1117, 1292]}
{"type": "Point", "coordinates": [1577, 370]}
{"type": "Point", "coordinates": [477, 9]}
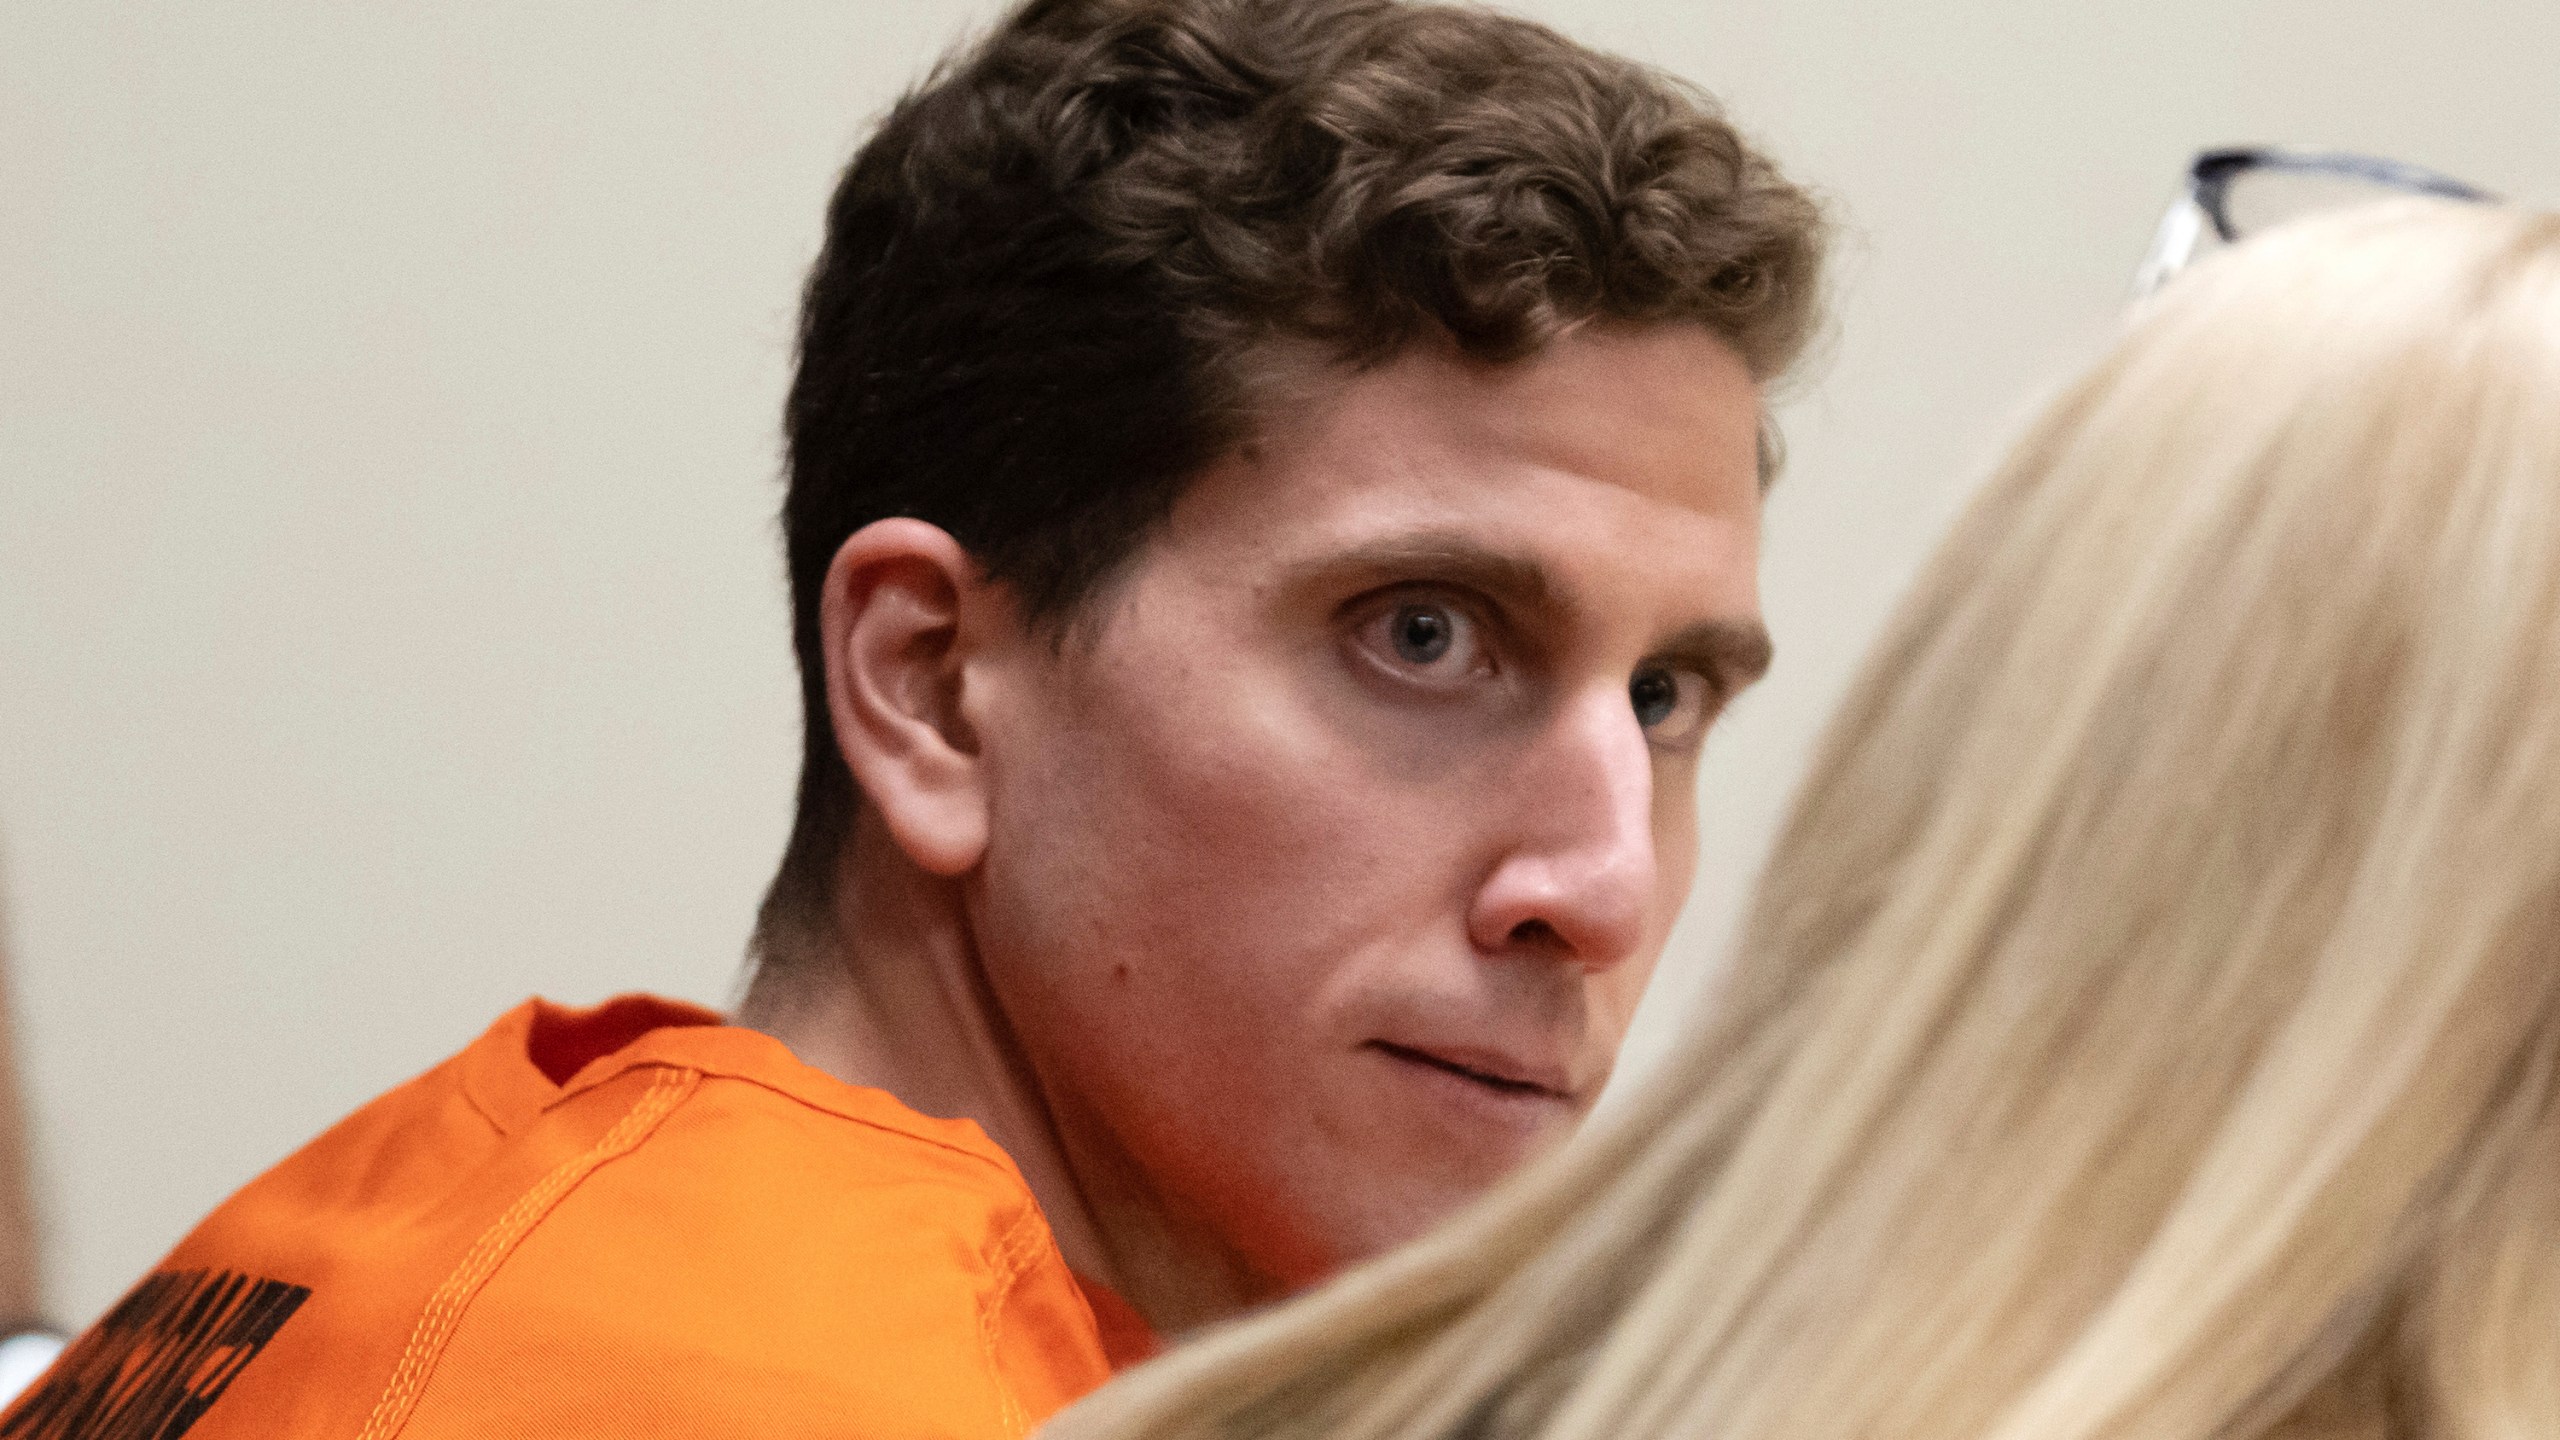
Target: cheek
{"type": "Point", "coordinates": [1183, 834]}
{"type": "Point", "coordinates": [1675, 841]}
{"type": "Point", "coordinates": [1615, 992]}
{"type": "Point", "coordinates": [1615, 995]}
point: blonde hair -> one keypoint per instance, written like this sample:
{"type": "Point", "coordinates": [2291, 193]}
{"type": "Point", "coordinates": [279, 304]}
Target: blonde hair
{"type": "Point", "coordinates": [2148, 1021]}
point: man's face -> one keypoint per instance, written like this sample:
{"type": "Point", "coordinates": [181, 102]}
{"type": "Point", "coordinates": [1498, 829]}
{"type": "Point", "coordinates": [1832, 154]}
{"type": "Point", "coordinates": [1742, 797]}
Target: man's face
{"type": "Point", "coordinates": [1328, 862]}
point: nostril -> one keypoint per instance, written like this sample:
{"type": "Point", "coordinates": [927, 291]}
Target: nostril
{"type": "Point", "coordinates": [1537, 934]}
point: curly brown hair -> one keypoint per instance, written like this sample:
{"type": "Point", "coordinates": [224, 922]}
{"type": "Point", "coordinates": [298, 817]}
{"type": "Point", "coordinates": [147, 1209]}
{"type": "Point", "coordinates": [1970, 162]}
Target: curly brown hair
{"type": "Point", "coordinates": [1049, 277]}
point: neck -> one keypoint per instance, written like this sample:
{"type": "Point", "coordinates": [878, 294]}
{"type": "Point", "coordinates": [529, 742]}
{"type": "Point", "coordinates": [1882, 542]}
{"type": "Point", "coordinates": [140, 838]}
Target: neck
{"type": "Point", "coordinates": [893, 995]}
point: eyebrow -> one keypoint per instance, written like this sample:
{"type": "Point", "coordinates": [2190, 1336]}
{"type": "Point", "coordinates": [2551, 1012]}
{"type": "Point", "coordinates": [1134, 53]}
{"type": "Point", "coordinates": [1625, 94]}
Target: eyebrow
{"type": "Point", "coordinates": [1451, 560]}
{"type": "Point", "coordinates": [1733, 653]}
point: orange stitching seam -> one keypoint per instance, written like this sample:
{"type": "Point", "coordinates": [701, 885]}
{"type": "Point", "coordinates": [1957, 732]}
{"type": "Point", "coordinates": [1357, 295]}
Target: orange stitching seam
{"type": "Point", "coordinates": [1015, 1251]}
{"type": "Point", "coordinates": [445, 1307]}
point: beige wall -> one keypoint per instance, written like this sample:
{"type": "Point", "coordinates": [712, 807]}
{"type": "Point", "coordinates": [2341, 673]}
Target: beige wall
{"type": "Point", "coordinates": [389, 624]}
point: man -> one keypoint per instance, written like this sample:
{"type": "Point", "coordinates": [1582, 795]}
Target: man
{"type": "Point", "coordinates": [1273, 511]}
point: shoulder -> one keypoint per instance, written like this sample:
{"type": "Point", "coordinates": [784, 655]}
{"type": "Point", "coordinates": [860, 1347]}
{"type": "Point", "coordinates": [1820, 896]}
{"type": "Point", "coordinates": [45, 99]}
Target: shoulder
{"type": "Point", "coordinates": [851, 1266]}
{"type": "Point", "coordinates": [799, 1180]}
{"type": "Point", "coordinates": [794, 1195]}
{"type": "Point", "coordinates": [694, 1234]}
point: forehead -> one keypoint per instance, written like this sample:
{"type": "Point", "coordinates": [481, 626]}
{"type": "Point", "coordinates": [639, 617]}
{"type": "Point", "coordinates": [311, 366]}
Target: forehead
{"type": "Point", "coordinates": [1625, 453]}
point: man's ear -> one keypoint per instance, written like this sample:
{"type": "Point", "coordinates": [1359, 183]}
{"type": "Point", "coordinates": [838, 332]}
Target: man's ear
{"type": "Point", "coordinates": [890, 621]}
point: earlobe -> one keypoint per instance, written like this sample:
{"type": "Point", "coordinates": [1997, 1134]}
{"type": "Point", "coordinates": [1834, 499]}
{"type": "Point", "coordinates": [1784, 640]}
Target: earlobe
{"type": "Point", "coordinates": [891, 621]}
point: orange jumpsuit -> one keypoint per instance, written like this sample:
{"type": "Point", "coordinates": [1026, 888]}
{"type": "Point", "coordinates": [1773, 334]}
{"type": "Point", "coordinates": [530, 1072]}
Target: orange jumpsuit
{"type": "Point", "coordinates": [632, 1221]}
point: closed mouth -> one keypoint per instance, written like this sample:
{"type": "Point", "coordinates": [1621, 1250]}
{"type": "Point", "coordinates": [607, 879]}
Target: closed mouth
{"type": "Point", "coordinates": [1499, 1083]}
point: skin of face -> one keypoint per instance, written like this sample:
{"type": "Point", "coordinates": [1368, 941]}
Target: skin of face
{"type": "Point", "coordinates": [1327, 856]}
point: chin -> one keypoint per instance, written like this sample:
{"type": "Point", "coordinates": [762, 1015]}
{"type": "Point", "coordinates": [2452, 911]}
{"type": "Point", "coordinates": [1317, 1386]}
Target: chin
{"type": "Point", "coordinates": [1367, 1221]}
{"type": "Point", "coordinates": [1388, 1222]}
{"type": "Point", "coordinates": [1409, 1146]}
{"type": "Point", "coordinates": [1469, 1127]}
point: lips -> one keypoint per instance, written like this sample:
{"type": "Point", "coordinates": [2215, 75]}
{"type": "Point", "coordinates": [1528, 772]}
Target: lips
{"type": "Point", "coordinates": [1501, 1073]}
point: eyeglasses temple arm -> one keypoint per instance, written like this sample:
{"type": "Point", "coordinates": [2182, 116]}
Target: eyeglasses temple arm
{"type": "Point", "coordinates": [2172, 245]}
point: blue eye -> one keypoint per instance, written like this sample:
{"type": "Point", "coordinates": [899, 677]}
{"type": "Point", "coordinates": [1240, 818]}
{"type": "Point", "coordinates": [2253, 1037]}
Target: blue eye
{"type": "Point", "coordinates": [1421, 634]}
{"type": "Point", "coordinates": [1438, 645]}
{"type": "Point", "coordinates": [1670, 704]}
{"type": "Point", "coordinates": [1655, 695]}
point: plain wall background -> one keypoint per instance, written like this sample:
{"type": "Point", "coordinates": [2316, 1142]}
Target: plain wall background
{"type": "Point", "coordinates": [390, 623]}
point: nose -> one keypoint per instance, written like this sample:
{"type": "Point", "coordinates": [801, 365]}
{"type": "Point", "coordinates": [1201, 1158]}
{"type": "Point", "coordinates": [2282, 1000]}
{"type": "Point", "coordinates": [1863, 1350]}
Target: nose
{"type": "Point", "coordinates": [1578, 880]}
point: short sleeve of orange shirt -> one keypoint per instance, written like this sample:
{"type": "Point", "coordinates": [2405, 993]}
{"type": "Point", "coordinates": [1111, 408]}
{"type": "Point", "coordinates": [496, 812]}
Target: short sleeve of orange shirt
{"type": "Point", "coordinates": [631, 1221]}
